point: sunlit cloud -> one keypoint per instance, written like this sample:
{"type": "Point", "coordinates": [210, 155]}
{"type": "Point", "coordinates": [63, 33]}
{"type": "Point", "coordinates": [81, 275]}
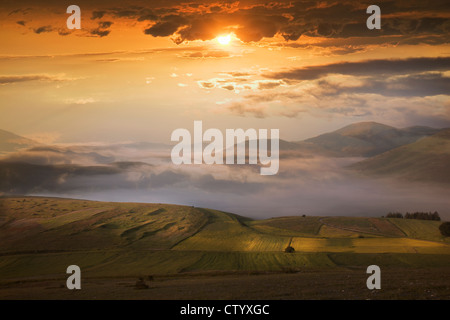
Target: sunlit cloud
{"type": "Point", "coordinates": [80, 101]}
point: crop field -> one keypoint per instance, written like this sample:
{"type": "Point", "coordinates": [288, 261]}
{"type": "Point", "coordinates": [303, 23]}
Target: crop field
{"type": "Point", "coordinates": [290, 226]}
{"type": "Point", "coordinates": [40, 237]}
{"type": "Point", "coordinates": [327, 231]}
{"type": "Point", "coordinates": [226, 233]}
{"type": "Point", "coordinates": [374, 226]}
{"type": "Point", "coordinates": [106, 225]}
{"type": "Point", "coordinates": [370, 245]}
{"type": "Point", "coordinates": [420, 229]}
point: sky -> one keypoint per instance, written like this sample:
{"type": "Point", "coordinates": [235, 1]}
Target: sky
{"type": "Point", "coordinates": [137, 70]}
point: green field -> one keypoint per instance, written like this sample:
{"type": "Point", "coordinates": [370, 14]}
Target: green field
{"type": "Point", "coordinates": [420, 229]}
{"type": "Point", "coordinates": [40, 237]}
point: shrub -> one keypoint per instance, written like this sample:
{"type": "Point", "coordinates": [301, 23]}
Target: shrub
{"type": "Point", "coordinates": [289, 249]}
{"type": "Point", "coordinates": [140, 284]}
{"type": "Point", "coordinates": [445, 229]}
{"type": "Point", "coordinates": [289, 270]}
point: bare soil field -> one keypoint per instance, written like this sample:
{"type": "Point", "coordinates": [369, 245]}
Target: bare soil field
{"type": "Point", "coordinates": [314, 284]}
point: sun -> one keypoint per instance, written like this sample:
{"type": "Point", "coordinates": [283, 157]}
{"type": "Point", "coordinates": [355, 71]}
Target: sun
{"type": "Point", "coordinates": [224, 40]}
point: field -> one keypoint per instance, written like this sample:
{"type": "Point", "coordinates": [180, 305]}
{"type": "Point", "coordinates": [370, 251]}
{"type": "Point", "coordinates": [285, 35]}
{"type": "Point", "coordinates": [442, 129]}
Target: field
{"type": "Point", "coordinates": [40, 237]}
{"type": "Point", "coordinates": [311, 283]}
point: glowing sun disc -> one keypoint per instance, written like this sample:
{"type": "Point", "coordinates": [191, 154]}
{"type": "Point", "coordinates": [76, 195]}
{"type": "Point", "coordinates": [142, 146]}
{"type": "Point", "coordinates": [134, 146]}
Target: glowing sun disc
{"type": "Point", "coordinates": [224, 40]}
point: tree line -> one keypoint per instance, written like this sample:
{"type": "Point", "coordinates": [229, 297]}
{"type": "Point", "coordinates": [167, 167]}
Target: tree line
{"type": "Point", "coordinates": [415, 215]}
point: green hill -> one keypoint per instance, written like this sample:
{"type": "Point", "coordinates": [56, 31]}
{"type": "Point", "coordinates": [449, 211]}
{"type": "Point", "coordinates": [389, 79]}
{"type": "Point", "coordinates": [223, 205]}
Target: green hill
{"type": "Point", "coordinates": [424, 160]}
{"type": "Point", "coordinates": [40, 237]}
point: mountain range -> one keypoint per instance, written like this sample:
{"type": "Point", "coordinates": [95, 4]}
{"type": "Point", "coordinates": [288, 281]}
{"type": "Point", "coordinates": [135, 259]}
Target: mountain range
{"type": "Point", "coordinates": [415, 153]}
{"type": "Point", "coordinates": [364, 139]}
{"type": "Point", "coordinates": [427, 159]}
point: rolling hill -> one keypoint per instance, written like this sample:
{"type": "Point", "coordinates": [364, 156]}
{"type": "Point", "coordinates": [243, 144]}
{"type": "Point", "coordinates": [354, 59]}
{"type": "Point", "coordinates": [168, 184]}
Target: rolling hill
{"type": "Point", "coordinates": [424, 160]}
{"type": "Point", "coordinates": [10, 142]}
{"type": "Point", "coordinates": [40, 237]}
{"type": "Point", "coordinates": [364, 139]}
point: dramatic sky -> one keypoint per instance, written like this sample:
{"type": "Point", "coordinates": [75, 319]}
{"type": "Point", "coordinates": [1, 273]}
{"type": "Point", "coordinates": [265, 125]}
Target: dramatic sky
{"type": "Point", "coordinates": [137, 70]}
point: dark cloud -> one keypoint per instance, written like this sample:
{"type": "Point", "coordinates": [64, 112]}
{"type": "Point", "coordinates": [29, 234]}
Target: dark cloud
{"type": "Point", "coordinates": [166, 27]}
{"type": "Point", "coordinates": [365, 68]}
{"type": "Point", "coordinates": [251, 21]}
{"type": "Point", "coordinates": [10, 79]}
{"type": "Point", "coordinates": [256, 28]}
{"type": "Point", "coordinates": [105, 24]}
{"type": "Point", "coordinates": [125, 13]}
{"type": "Point", "coordinates": [147, 15]}
{"type": "Point", "coordinates": [202, 28]}
{"type": "Point", "coordinates": [102, 29]}
{"type": "Point", "coordinates": [329, 19]}
{"type": "Point", "coordinates": [97, 14]}
{"type": "Point", "coordinates": [20, 11]}
{"type": "Point", "coordinates": [64, 32]}
{"type": "Point", "coordinates": [21, 22]}
{"type": "Point", "coordinates": [421, 85]}
{"type": "Point", "coordinates": [43, 29]}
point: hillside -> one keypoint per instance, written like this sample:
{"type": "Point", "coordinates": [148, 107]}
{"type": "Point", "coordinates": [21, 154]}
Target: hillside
{"type": "Point", "coordinates": [41, 236]}
{"type": "Point", "coordinates": [364, 139]}
{"type": "Point", "coordinates": [424, 160]}
{"type": "Point", "coordinates": [11, 142]}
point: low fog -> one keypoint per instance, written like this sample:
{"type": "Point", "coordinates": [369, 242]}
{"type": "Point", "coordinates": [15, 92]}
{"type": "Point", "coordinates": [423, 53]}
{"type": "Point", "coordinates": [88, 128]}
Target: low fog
{"type": "Point", "coordinates": [309, 185]}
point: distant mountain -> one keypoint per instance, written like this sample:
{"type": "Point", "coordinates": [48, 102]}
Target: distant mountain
{"type": "Point", "coordinates": [364, 139]}
{"type": "Point", "coordinates": [53, 155]}
{"type": "Point", "coordinates": [11, 142]}
{"type": "Point", "coordinates": [427, 159]}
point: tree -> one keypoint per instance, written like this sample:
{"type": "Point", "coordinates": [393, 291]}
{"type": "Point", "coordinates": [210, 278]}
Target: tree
{"type": "Point", "coordinates": [415, 215]}
{"type": "Point", "coordinates": [436, 216]}
{"type": "Point", "coordinates": [445, 229]}
{"type": "Point", "coordinates": [394, 215]}
{"type": "Point", "coordinates": [289, 249]}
